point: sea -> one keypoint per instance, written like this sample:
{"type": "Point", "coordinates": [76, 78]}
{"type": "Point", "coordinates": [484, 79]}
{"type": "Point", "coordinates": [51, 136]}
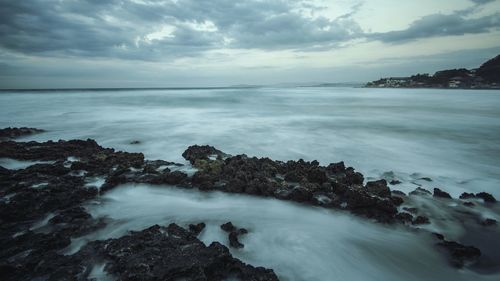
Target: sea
{"type": "Point", "coordinates": [426, 138]}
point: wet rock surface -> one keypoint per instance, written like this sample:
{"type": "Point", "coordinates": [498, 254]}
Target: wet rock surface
{"type": "Point", "coordinates": [439, 193]}
{"type": "Point", "coordinates": [50, 197]}
{"type": "Point", "coordinates": [233, 233]}
{"type": "Point", "coordinates": [171, 253]}
{"type": "Point", "coordinates": [41, 211]}
{"type": "Point", "coordinates": [11, 133]}
{"type": "Point", "coordinates": [459, 254]}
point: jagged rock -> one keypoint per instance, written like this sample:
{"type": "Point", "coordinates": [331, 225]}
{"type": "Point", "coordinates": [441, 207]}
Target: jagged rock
{"type": "Point", "coordinates": [228, 227]}
{"type": "Point", "coordinates": [397, 200]}
{"type": "Point", "coordinates": [176, 255]}
{"type": "Point", "coordinates": [404, 217]}
{"type": "Point", "coordinates": [439, 193]}
{"type": "Point", "coordinates": [466, 195]}
{"type": "Point", "coordinates": [11, 133]}
{"type": "Point", "coordinates": [64, 190]}
{"type": "Point", "coordinates": [135, 142]}
{"type": "Point", "coordinates": [234, 232]}
{"type": "Point", "coordinates": [335, 168]}
{"type": "Point", "coordinates": [378, 188]}
{"type": "Point", "coordinates": [197, 228]}
{"type": "Point", "coordinates": [488, 198]}
{"type": "Point", "coordinates": [420, 191]}
{"type": "Point", "coordinates": [202, 152]}
{"type": "Point", "coordinates": [421, 220]}
{"type": "Point", "coordinates": [395, 182]}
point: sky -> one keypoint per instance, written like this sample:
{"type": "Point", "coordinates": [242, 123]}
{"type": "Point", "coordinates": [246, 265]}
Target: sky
{"type": "Point", "coordinates": [188, 43]}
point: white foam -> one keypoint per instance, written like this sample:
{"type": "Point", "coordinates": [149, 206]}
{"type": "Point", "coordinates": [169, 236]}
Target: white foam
{"type": "Point", "coordinates": [98, 274]}
{"type": "Point", "coordinates": [96, 182]}
{"type": "Point", "coordinates": [13, 164]}
{"type": "Point", "coordinates": [39, 225]}
{"type": "Point", "coordinates": [40, 185]}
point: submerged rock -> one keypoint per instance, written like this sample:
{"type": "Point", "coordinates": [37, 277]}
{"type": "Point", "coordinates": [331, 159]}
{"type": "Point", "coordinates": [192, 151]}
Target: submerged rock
{"type": "Point", "coordinates": [459, 254]}
{"type": "Point", "coordinates": [489, 222]}
{"type": "Point", "coordinates": [395, 182]}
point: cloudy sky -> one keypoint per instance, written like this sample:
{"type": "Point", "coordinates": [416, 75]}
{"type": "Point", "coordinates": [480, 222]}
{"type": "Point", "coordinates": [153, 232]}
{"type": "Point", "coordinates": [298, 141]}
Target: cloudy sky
{"type": "Point", "coordinates": [156, 43]}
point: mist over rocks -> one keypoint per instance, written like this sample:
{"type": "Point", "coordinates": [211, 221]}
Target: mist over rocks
{"type": "Point", "coordinates": [51, 196]}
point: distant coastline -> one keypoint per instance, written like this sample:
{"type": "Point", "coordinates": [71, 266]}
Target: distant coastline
{"type": "Point", "coordinates": [487, 76]}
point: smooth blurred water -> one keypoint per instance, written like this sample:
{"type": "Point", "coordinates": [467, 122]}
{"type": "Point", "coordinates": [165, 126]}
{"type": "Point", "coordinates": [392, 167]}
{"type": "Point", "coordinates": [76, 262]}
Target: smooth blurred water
{"type": "Point", "coordinates": [298, 242]}
{"type": "Point", "coordinates": [451, 136]}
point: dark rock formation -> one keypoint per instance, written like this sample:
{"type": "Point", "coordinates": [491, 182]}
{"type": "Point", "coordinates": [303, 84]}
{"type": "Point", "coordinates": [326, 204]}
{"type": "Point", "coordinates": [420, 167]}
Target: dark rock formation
{"type": "Point", "coordinates": [175, 255]}
{"type": "Point", "coordinates": [466, 195]}
{"type": "Point", "coordinates": [234, 232]}
{"type": "Point", "coordinates": [460, 254]}
{"type": "Point", "coordinates": [197, 228]}
{"type": "Point", "coordinates": [404, 217]}
{"type": "Point", "coordinates": [379, 188]}
{"type": "Point", "coordinates": [59, 189]}
{"type": "Point", "coordinates": [11, 133]}
{"type": "Point", "coordinates": [439, 193]}
{"type": "Point", "coordinates": [202, 152]}
{"type": "Point", "coordinates": [421, 220]}
{"type": "Point", "coordinates": [488, 198]}
{"type": "Point", "coordinates": [55, 192]}
{"type": "Point", "coordinates": [420, 191]}
{"type": "Point", "coordinates": [334, 186]}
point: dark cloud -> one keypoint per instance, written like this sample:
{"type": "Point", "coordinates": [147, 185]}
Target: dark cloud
{"type": "Point", "coordinates": [120, 28]}
{"type": "Point", "coordinates": [482, 2]}
{"type": "Point", "coordinates": [132, 29]}
{"type": "Point", "coordinates": [440, 25]}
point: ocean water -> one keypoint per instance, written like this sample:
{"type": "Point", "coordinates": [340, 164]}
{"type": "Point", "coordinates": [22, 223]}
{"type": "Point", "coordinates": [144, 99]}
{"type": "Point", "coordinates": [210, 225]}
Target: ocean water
{"type": "Point", "coordinates": [449, 136]}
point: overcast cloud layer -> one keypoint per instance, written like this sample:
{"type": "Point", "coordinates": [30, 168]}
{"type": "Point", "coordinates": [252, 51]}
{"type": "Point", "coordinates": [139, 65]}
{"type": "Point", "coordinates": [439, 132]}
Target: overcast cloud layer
{"type": "Point", "coordinates": [217, 35]}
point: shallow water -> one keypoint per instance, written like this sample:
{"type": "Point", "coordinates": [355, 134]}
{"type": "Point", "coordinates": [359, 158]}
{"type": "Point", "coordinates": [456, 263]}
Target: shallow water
{"type": "Point", "coordinates": [451, 136]}
{"type": "Point", "coordinates": [298, 242]}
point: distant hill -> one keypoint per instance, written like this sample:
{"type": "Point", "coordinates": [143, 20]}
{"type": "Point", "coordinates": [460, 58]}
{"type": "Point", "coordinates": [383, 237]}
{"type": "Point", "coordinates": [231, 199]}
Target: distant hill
{"type": "Point", "coordinates": [487, 76]}
{"type": "Point", "coordinates": [490, 70]}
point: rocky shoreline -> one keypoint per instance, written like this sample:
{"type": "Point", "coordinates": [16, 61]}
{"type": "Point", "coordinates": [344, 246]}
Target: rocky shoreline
{"type": "Point", "coordinates": [56, 189]}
